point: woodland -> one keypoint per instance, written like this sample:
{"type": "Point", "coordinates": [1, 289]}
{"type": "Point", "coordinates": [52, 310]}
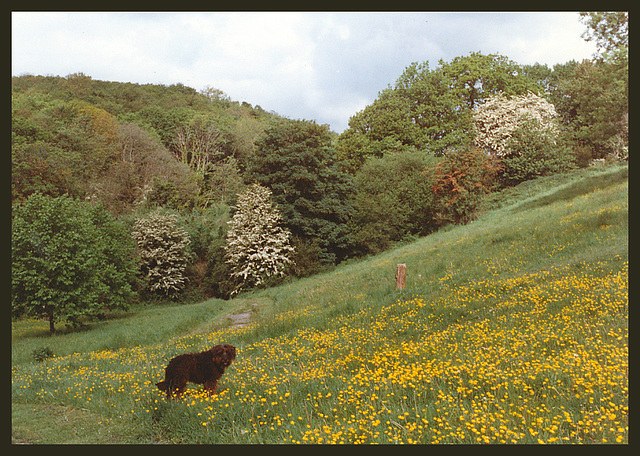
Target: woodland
{"type": "Point", "coordinates": [101, 159]}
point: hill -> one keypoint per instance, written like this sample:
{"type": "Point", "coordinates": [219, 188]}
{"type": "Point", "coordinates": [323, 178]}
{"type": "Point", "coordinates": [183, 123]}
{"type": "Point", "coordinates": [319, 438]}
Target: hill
{"type": "Point", "coordinates": [511, 329]}
{"type": "Point", "coordinates": [109, 140]}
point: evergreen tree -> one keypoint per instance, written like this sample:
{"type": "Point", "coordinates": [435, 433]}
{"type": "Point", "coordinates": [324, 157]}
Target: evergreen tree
{"type": "Point", "coordinates": [296, 161]}
{"type": "Point", "coordinates": [258, 247]}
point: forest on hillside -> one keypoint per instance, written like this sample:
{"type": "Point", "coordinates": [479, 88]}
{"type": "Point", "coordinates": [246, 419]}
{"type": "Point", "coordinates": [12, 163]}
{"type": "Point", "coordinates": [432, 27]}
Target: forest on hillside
{"type": "Point", "coordinates": [156, 168]}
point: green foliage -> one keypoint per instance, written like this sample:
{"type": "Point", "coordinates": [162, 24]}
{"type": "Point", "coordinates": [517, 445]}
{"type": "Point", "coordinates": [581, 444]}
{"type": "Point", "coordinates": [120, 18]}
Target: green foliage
{"type": "Point", "coordinates": [296, 161]}
{"type": "Point", "coordinates": [223, 181]}
{"type": "Point", "coordinates": [163, 249]}
{"type": "Point", "coordinates": [430, 109]}
{"type": "Point", "coordinates": [383, 126]}
{"type": "Point", "coordinates": [135, 148]}
{"type": "Point", "coordinates": [108, 140]}
{"type": "Point", "coordinates": [475, 77]}
{"type": "Point", "coordinates": [532, 152]}
{"type": "Point", "coordinates": [592, 96]}
{"type": "Point", "coordinates": [143, 173]}
{"type": "Point", "coordinates": [200, 142]}
{"type": "Point", "coordinates": [208, 273]}
{"type": "Point", "coordinates": [69, 259]}
{"type": "Point", "coordinates": [41, 167]}
{"type": "Point", "coordinates": [393, 200]}
{"type": "Point", "coordinates": [58, 147]}
{"type": "Point", "coordinates": [42, 353]}
{"type": "Point", "coordinates": [486, 330]}
{"type": "Point", "coordinates": [592, 100]}
{"type": "Point", "coordinates": [597, 107]}
{"type": "Point", "coordinates": [610, 30]}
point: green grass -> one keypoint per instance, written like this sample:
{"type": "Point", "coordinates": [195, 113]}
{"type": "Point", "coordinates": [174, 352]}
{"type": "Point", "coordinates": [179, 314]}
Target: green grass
{"type": "Point", "coordinates": [513, 328]}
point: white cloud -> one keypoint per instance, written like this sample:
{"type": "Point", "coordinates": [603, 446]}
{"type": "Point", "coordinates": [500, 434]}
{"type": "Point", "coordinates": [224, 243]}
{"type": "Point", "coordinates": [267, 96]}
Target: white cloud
{"type": "Point", "coordinates": [321, 66]}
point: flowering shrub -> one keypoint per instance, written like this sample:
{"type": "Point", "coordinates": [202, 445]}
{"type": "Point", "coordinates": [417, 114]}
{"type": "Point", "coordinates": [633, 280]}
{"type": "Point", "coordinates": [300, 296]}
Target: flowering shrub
{"type": "Point", "coordinates": [257, 248]}
{"type": "Point", "coordinates": [162, 245]}
{"type": "Point", "coordinates": [496, 120]}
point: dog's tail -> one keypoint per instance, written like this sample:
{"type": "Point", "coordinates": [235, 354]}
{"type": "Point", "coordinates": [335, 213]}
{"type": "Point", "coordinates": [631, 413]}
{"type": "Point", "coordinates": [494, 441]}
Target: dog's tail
{"type": "Point", "coordinates": [162, 386]}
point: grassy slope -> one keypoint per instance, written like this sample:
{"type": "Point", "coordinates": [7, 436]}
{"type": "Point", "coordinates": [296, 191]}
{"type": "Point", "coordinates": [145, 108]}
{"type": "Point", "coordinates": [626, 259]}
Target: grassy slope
{"type": "Point", "coordinates": [511, 329]}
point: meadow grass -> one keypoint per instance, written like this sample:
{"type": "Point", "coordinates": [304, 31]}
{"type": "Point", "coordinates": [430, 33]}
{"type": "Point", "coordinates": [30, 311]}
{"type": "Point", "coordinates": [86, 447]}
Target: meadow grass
{"type": "Point", "coordinates": [511, 329]}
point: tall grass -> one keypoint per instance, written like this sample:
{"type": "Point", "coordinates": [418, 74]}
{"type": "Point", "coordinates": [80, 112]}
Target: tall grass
{"type": "Point", "coordinates": [511, 329]}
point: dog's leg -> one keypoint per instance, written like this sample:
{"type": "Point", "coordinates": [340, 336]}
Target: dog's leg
{"type": "Point", "coordinates": [179, 391]}
{"type": "Point", "coordinates": [176, 388]}
{"type": "Point", "coordinates": [170, 389]}
{"type": "Point", "coordinates": [211, 386]}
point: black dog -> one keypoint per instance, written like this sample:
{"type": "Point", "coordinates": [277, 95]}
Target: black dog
{"type": "Point", "coordinates": [204, 368]}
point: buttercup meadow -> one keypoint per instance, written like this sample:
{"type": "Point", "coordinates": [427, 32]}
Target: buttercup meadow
{"type": "Point", "coordinates": [511, 329]}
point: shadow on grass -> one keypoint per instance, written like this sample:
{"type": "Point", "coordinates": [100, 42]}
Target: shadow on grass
{"type": "Point", "coordinates": [83, 324]}
{"type": "Point", "coordinates": [581, 187]}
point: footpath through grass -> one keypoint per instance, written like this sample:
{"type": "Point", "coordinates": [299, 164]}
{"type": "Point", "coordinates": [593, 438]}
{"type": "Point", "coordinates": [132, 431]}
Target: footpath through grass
{"type": "Point", "coordinates": [512, 329]}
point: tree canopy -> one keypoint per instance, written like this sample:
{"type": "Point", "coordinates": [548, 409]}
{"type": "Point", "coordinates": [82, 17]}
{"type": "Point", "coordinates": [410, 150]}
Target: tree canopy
{"type": "Point", "coordinates": [405, 166]}
{"type": "Point", "coordinates": [69, 259]}
{"type": "Point", "coordinates": [119, 142]}
{"type": "Point", "coordinates": [610, 31]}
{"type": "Point", "coordinates": [430, 110]}
{"type": "Point", "coordinates": [294, 159]}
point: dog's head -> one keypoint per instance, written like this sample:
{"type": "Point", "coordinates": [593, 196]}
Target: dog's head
{"type": "Point", "coordinates": [223, 355]}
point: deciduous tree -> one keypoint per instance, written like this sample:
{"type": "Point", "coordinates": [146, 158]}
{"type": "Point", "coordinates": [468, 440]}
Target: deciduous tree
{"type": "Point", "coordinates": [162, 246]}
{"type": "Point", "coordinates": [69, 259]}
{"type": "Point", "coordinates": [257, 247]}
{"type": "Point", "coordinates": [430, 109]}
{"type": "Point", "coordinates": [610, 31]}
{"type": "Point", "coordinates": [499, 116]}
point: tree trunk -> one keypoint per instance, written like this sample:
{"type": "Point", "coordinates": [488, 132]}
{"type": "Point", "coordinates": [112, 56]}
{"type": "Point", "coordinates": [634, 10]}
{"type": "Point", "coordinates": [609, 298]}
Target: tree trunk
{"type": "Point", "coordinates": [52, 328]}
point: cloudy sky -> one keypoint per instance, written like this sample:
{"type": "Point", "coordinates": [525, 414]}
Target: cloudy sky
{"type": "Point", "coordinates": [304, 65]}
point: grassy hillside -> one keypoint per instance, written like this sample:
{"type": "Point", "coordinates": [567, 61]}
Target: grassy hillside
{"type": "Point", "coordinates": [513, 328]}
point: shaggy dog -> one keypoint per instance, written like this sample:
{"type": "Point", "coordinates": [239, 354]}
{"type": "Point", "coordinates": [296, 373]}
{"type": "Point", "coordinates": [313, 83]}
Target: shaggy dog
{"type": "Point", "coordinates": [204, 368]}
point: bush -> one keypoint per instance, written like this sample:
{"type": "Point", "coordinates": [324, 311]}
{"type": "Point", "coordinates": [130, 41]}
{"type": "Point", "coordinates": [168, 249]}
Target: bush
{"type": "Point", "coordinates": [533, 151]}
{"type": "Point", "coordinates": [42, 353]}
{"type": "Point", "coordinates": [461, 181]}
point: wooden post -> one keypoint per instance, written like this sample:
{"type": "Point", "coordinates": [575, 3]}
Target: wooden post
{"type": "Point", "coordinates": [401, 276]}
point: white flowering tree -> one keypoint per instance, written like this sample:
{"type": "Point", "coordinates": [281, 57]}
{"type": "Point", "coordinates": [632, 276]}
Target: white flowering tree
{"type": "Point", "coordinates": [162, 245]}
{"type": "Point", "coordinates": [257, 247]}
{"type": "Point", "coordinates": [497, 119]}
{"type": "Point", "coordinates": [523, 131]}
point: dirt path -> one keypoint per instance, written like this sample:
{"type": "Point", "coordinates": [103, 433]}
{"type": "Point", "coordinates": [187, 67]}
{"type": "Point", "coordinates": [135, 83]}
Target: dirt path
{"type": "Point", "coordinates": [242, 319]}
